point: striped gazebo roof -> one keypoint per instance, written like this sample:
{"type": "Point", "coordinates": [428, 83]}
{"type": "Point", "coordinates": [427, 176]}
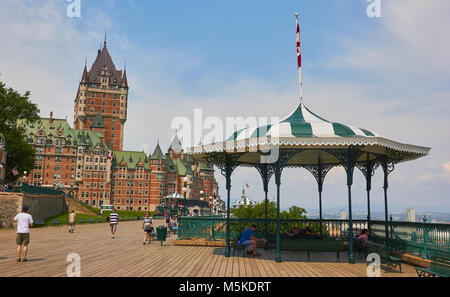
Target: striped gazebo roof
{"type": "Point", "coordinates": [302, 123]}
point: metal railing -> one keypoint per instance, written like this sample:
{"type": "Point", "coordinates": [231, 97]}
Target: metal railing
{"type": "Point", "coordinates": [213, 228]}
{"type": "Point", "coordinates": [421, 238]}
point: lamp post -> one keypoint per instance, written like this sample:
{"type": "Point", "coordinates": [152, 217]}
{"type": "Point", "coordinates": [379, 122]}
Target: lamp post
{"type": "Point", "coordinates": [185, 180]}
{"type": "Point", "coordinates": [201, 199]}
{"type": "Point", "coordinates": [211, 202]}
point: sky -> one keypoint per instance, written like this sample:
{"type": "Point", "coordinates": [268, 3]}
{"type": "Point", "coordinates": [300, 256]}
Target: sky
{"type": "Point", "coordinates": [238, 58]}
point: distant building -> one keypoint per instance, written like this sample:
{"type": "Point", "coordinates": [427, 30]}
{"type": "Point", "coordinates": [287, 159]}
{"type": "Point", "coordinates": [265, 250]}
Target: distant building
{"type": "Point", "coordinates": [410, 215]}
{"type": "Point", "coordinates": [88, 161]}
{"type": "Point", "coordinates": [245, 201]}
{"type": "Point", "coordinates": [343, 215]}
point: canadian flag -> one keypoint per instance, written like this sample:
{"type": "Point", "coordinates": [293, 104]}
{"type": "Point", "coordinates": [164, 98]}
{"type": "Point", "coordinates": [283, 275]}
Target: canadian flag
{"type": "Point", "coordinates": [299, 60]}
{"type": "Point", "coordinates": [299, 54]}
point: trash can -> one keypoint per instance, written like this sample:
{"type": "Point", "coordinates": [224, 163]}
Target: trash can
{"type": "Point", "coordinates": [161, 233]}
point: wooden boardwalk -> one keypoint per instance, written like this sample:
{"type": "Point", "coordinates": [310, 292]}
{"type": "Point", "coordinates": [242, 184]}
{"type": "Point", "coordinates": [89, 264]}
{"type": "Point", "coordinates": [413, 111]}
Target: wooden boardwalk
{"type": "Point", "coordinates": [127, 256]}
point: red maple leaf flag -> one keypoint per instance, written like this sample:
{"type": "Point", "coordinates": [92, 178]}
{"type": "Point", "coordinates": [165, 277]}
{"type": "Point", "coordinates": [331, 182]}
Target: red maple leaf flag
{"type": "Point", "coordinates": [299, 60]}
{"type": "Point", "coordinates": [299, 54]}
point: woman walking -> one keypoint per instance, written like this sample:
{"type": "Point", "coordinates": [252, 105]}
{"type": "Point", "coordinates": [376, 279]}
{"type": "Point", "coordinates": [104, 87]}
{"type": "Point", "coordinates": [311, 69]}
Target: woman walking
{"type": "Point", "coordinates": [147, 225]}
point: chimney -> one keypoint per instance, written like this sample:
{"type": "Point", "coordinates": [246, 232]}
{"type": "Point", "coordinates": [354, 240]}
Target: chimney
{"type": "Point", "coordinates": [51, 117]}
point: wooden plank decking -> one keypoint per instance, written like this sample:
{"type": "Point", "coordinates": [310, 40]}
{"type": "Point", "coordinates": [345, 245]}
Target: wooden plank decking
{"type": "Point", "coordinates": [127, 256]}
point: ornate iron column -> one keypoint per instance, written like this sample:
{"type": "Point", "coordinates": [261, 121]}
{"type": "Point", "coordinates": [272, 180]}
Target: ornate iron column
{"type": "Point", "coordinates": [319, 172]}
{"type": "Point", "coordinates": [368, 170]}
{"type": "Point", "coordinates": [278, 183]}
{"type": "Point", "coordinates": [388, 167]}
{"type": "Point", "coordinates": [348, 160]}
{"type": "Point", "coordinates": [227, 163]}
{"type": "Point", "coordinates": [266, 171]}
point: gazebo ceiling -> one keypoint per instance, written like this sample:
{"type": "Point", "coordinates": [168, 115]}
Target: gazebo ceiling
{"type": "Point", "coordinates": [308, 137]}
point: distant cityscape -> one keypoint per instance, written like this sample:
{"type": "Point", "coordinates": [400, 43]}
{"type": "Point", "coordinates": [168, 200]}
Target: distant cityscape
{"type": "Point", "coordinates": [409, 215]}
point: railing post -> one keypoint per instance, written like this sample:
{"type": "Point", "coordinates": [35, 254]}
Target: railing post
{"type": "Point", "coordinates": [179, 227]}
{"type": "Point", "coordinates": [212, 229]}
{"type": "Point", "coordinates": [391, 227]}
{"type": "Point", "coordinates": [425, 237]}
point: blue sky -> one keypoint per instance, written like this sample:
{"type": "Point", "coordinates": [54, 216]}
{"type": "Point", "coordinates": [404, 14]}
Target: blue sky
{"type": "Point", "coordinates": [238, 58]}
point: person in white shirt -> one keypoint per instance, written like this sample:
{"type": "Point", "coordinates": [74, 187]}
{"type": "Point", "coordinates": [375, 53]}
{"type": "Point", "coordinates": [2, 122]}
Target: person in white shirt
{"type": "Point", "coordinates": [24, 222]}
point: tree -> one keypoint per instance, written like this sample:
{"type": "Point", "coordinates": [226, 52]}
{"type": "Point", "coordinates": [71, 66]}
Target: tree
{"type": "Point", "coordinates": [16, 110]}
{"type": "Point", "coordinates": [258, 212]}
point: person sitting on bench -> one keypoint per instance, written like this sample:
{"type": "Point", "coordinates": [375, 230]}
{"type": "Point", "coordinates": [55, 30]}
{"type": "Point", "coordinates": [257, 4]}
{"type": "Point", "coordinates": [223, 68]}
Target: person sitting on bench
{"type": "Point", "coordinates": [248, 240]}
{"type": "Point", "coordinates": [308, 232]}
{"type": "Point", "coordinates": [291, 234]}
{"type": "Point", "coordinates": [364, 238]}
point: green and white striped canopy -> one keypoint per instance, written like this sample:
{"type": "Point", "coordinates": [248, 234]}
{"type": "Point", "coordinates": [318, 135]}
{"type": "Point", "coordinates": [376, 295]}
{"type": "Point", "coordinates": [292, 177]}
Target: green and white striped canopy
{"type": "Point", "coordinates": [303, 129]}
{"type": "Point", "coordinates": [302, 123]}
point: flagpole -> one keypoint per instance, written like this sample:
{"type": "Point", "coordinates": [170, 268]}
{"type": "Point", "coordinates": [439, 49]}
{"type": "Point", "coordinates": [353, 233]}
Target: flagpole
{"type": "Point", "coordinates": [299, 60]}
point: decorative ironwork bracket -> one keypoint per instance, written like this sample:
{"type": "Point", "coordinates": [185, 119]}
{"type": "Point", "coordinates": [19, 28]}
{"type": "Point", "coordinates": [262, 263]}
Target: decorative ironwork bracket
{"type": "Point", "coordinates": [348, 159]}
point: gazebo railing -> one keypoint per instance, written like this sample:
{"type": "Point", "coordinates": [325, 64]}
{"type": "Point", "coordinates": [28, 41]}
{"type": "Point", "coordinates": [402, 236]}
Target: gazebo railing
{"type": "Point", "coordinates": [421, 238]}
{"type": "Point", "coordinates": [214, 228]}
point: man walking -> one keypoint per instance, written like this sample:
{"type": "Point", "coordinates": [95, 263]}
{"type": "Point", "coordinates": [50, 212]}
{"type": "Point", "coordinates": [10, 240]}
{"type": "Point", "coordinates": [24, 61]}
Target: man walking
{"type": "Point", "coordinates": [24, 222]}
{"type": "Point", "coordinates": [72, 219]}
{"type": "Point", "coordinates": [113, 222]}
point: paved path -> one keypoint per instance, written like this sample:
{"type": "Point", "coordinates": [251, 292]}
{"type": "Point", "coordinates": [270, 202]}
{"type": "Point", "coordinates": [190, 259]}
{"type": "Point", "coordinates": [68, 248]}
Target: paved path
{"type": "Point", "coordinates": [127, 256]}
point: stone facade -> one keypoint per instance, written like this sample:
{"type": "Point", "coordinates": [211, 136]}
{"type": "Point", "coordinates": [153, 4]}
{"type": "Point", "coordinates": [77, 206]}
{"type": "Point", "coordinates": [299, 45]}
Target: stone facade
{"type": "Point", "coordinates": [103, 90]}
{"type": "Point", "coordinates": [88, 162]}
{"type": "Point", "coordinates": [40, 206]}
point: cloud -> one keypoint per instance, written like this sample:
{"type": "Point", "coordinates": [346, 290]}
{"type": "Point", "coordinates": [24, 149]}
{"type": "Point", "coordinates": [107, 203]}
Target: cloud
{"type": "Point", "coordinates": [393, 81]}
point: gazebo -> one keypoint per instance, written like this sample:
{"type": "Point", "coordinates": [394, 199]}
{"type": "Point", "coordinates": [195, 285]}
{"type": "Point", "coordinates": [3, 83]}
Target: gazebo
{"type": "Point", "coordinates": [244, 201]}
{"type": "Point", "coordinates": [306, 140]}
{"type": "Point", "coordinates": [171, 203]}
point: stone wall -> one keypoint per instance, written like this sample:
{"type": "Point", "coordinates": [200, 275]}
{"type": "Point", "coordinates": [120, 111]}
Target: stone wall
{"type": "Point", "coordinates": [40, 206]}
{"type": "Point", "coordinates": [79, 209]}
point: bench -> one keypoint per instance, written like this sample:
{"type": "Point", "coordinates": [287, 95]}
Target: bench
{"type": "Point", "coordinates": [386, 258]}
{"type": "Point", "coordinates": [100, 220]}
{"type": "Point", "coordinates": [56, 222]}
{"type": "Point", "coordinates": [171, 230]}
{"type": "Point", "coordinates": [440, 266]}
{"type": "Point", "coordinates": [39, 223]}
{"type": "Point", "coordinates": [91, 220]}
{"type": "Point", "coordinates": [239, 247]}
{"type": "Point", "coordinates": [313, 244]}
{"type": "Point", "coordinates": [81, 221]}
{"type": "Point", "coordinates": [308, 244]}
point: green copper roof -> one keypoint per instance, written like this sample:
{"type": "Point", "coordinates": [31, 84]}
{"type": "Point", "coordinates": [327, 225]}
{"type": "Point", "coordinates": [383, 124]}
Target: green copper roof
{"type": "Point", "coordinates": [75, 136]}
{"type": "Point", "coordinates": [171, 165]}
{"type": "Point", "coordinates": [157, 153]}
{"type": "Point", "coordinates": [183, 167]}
{"type": "Point", "coordinates": [131, 158]}
{"type": "Point", "coordinates": [206, 167]}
